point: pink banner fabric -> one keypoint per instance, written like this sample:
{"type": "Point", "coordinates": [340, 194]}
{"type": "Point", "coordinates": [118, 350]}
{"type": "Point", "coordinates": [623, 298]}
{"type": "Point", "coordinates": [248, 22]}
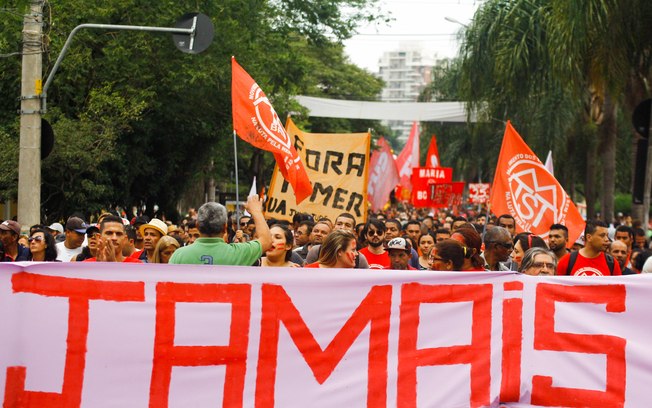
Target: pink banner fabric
{"type": "Point", "coordinates": [101, 335]}
{"type": "Point", "coordinates": [383, 175]}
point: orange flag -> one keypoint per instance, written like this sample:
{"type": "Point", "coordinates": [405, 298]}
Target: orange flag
{"type": "Point", "coordinates": [432, 158]}
{"type": "Point", "coordinates": [256, 122]}
{"type": "Point", "coordinates": [526, 190]}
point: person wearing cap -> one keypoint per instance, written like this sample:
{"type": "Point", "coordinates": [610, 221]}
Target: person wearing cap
{"type": "Point", "coordinates": [151, 233]}
{"type": "Point", "coordinates": [400, 253]}
{"type": "Point", "coordinates": [72, 245]}
{"type": "Point", "coordinates": [211, 249]}
{"type": "Point", "coordinates": [90, 250]}
{"type": "Point", "coordinates": [137, 222]}
{"type": "Point", "coordinates": [56, 229]}
{"type": "Point", "coordinates": [13, 251]}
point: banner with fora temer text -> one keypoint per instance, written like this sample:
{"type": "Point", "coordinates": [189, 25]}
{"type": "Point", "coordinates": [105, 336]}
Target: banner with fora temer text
{"type": "Point", "coordinates": [337, 165]}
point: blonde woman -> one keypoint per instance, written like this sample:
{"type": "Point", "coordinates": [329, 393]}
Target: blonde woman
{"type": "Point", "coordinates": [337, 251]}
{"type": "Point", "coordinates": [164, 249]}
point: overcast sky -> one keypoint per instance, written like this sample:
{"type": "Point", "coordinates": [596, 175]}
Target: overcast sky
{"type": "Point", "coordinates": [416, 22]}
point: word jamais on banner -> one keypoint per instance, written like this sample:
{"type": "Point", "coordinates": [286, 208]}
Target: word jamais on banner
{"type": "Point", "coordinates": [337, 166]}
{"type": "Point", "coordinates": [79, 335]}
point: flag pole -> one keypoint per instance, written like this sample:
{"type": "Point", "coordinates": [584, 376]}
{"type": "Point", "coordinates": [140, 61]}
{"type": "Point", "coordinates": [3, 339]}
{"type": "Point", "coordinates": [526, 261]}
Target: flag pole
{"type": "Point", "coordinates": [237, 184]}
{"type": "Point", "coordinates": [484, 229]}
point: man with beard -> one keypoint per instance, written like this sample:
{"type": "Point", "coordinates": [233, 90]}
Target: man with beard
{"type": "Point", "coordinates": [558, 240]}
{"type": "Point", "coordinates": [591, 260]}
{"type": "Point", "coordinates": [375, 252]}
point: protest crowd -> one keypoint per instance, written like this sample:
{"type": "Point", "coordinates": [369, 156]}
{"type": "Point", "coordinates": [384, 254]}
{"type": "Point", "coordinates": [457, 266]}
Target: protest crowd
{"type": "Point", "coordinates": [398, 238]}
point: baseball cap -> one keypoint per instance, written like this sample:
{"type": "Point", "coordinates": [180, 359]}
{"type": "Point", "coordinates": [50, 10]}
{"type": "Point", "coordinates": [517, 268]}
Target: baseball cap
{"type": "Point", "coordinates": [76, 224]}
{"type": "Point", "coordinates": [399, 243]}
{"type": "Point", "coordinates": [56, 227]}
{"type": "Point", "coordinates": [10, 225]}
{"type": "Point", "coordinates": [92, 229]}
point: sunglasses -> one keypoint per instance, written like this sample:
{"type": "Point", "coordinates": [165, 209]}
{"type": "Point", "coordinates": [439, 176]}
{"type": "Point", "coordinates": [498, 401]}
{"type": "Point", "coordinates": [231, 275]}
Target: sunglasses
{"type": "Point", "coordinates": [506, 245]}
{"type": "Point", "coordinates": [374, 232]}
{"type": "Point", "coordinates": [37, 238]}
{"type": "Point", "coordinates": [243, 224]}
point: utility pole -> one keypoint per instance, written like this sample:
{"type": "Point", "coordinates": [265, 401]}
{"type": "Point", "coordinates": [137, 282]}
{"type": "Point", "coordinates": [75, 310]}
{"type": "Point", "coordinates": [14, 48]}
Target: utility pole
{"type": "Point", "coordinates": [29, 165]}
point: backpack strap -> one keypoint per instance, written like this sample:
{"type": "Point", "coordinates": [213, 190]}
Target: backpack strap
{"type": "Point", "coordinates": [571, 262]}
{"type": "Point", "coordinates": [610, 263]}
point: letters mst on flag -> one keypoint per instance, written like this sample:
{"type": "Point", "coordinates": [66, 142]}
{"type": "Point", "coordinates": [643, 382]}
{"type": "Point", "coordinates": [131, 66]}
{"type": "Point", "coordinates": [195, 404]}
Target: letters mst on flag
{"type": "Point", "coordinates": [256, 122]}
{"type": "Point", "coordinates": [525, 189]}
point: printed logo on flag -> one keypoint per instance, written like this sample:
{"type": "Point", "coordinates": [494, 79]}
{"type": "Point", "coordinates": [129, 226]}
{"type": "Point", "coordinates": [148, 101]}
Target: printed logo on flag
{"type": "Point", "coordinates": [267, 118]}
{"type": "Point", "coordinates": [531, 197]}
{"type": "Point", "coordinates": [524, 188]}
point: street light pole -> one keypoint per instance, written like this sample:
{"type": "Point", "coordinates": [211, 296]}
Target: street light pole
{"type": "Point", "coordinates": [29, 163]}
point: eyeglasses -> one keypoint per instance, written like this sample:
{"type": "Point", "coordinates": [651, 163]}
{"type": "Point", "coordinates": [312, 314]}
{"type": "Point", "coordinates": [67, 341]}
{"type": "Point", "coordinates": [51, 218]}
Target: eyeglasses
{"type": "Point", "coordinates": [540, 265]}
{"type": "Point", "coordinates": [374, 232]}
{"type": "Point", "coordinates": [506, 245]}
{"type": "Point", "coordinates": [37, 238]}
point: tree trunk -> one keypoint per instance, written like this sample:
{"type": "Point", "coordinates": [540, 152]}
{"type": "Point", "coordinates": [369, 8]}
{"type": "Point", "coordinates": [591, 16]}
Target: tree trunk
{"type": "Point", "coordinates": [607, 136]}
{"type": "Point", "coordinates": [589, 185]}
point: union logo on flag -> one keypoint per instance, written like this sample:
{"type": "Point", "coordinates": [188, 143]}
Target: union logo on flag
{"type": "Point", "coordinates": [526, 190]}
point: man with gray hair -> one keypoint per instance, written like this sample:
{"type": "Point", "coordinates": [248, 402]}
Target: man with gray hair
{"type": "Point", "coordinates": [497, 247]}
{"type": "Point", "coordinates": [211, 249]}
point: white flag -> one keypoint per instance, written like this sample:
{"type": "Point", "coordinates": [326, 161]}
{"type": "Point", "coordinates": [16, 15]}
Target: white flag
{"type": "Point", "coordinates": [548, 165]}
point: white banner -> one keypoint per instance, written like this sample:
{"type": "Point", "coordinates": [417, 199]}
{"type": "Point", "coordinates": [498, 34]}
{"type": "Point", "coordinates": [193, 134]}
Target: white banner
{"type": "Point", "coordinates": [107, 335]}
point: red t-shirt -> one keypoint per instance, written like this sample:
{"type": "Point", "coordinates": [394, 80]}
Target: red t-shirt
{"type": "Point", "coordinates": [588, 266]}
{"type": "Point", "coordinates": [376, 261]}
{"type": "Point", "coordinates": [127, 260]}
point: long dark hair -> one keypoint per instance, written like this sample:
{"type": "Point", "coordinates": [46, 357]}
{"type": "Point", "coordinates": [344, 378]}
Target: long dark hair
{"type": "Point", "coordinates": [289, 240]}
{"type": "Point", "coordinates": [50, 246]}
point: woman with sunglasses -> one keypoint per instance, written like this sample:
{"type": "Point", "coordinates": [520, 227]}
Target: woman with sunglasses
{"type": "Point", "coordinates": [42, 247]}
{"type": "Point", "coordinates": [523, 242]}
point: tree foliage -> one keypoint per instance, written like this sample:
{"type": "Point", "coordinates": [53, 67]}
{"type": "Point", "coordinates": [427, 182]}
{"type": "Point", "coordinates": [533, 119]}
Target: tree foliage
{"type": "Point", "coordinates": [139, 123]}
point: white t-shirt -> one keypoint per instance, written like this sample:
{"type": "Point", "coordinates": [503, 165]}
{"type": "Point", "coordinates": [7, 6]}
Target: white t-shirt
{"type": "Point", "coordinates": [65, 254]}
{"type": "Point", "coordinates": [647, 266]}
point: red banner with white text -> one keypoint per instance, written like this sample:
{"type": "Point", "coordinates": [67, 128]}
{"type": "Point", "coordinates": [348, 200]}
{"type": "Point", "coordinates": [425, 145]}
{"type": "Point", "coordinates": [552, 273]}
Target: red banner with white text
{"type": "Point", "coordinates": [107, 335]}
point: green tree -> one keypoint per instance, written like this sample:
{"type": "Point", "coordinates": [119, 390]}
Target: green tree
{"type": "Point", "coordinates": [557, 69]}
{"type": "Point", "coordinates": [163, 117]}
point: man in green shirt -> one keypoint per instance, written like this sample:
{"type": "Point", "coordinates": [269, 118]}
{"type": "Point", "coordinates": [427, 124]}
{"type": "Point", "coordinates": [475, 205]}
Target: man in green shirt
{"type": "Point", "coordinates": [210, 248]}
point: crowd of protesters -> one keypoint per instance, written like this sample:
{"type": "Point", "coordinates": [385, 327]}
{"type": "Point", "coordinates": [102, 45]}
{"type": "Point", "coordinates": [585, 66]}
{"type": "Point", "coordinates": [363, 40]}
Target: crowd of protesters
{"type": "Point", "coordinates": [391, 239]}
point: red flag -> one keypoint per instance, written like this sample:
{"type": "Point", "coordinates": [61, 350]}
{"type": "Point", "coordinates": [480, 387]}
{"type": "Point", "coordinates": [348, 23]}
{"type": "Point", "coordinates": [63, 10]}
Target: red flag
{"type": "Point", "coordinates": [409, 158]}
{"type": "Point", "coordinates": [256, 122]}
{"type": "Point", "coordinates": [525, 189]}
{"type": "Point", "coordinates": [432, 158]}
{"type": "Point", "coordinates": [383, 175]}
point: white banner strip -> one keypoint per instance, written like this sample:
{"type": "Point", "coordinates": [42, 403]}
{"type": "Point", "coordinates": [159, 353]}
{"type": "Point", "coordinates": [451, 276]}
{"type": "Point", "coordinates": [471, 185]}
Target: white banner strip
{"type": "Point", "coordinates": [106, 335]}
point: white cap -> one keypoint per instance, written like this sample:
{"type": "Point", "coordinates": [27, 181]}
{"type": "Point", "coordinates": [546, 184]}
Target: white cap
{"type": "Point", "coordinates": [56, 227]}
